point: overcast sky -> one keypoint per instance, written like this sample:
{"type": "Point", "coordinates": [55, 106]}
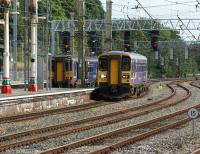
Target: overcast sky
{"type": "Point", "coordinates": [158, 9]}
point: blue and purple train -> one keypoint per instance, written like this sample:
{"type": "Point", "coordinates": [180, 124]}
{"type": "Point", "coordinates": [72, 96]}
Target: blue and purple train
{"type": "Point", "coordinates": [65, 71]}
{"type": "Point", "coordinates": [120, 75]}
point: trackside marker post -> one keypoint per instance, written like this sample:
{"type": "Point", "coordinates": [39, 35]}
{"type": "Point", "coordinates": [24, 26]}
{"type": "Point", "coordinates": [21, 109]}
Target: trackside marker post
{"type": "Point", "coordinates": [193, 114]}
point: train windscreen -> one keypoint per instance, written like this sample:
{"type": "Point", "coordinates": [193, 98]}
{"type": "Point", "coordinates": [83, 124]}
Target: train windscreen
{"type": "Point", "coordinates": [68, 66]}
{"type": "Point", "coordinates": [103, 64]}
{"type": "Point", "coordinates": [126, 63]}
{"type": "Point", "coordinates": [53, 66]}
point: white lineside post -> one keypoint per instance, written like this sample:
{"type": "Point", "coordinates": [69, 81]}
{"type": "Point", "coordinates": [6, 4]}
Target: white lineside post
{"type": "Point", "coordinates": [6, 83]}
{"type": "Point", "coordinates": [33, 74]}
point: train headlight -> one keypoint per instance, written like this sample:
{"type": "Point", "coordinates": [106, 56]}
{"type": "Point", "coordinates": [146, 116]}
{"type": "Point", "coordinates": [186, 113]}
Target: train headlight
{"type": "Point", "coordinates": [103, 76]}
{"type": "Point", "coordinates": [125, 76]}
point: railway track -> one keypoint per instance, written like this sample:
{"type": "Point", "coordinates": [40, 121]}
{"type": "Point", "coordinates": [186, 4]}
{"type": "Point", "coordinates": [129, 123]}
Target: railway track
{"type": "Point", "coordinates": [118, 116]}
{"type": "Point", "coordinates": [75, 108]}
{"type": "Point", "coordinates": [179, 117]}
{"type": "Point", "coordinates": [195, 84]}
{"type": "Point", "coordinates": [196, 151]}
{"type": "Point", "coordinates": [34, 115]}
{"type": "Point", "coordinates": [182, 119]}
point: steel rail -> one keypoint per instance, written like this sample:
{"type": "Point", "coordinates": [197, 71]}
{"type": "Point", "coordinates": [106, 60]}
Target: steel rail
{"type": "Point", "coordinates": [74, 108]}
{"type": "Point", "coordinates": [39, 139]}
{"type": "Point", "coordinates": [85, 120]}
{"type": "Point", "coordinates": [140, 137]}
{"type": "Point", "coordinates": [102, 136]}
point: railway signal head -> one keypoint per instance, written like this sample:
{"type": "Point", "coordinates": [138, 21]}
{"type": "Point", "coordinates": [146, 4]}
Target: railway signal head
{"type": "Point", "coordinates": [66, 42]}
{"type": "Point", "coordinates": [33, 6]}
{"type": "Point", "coordinates": [67, 48]}
{"type": "Point", "coordinates": [154, 39]}
{"type": "Point", "coordinates": [127, 47]}
{"type": "Point", "coordinates": [6, 3]}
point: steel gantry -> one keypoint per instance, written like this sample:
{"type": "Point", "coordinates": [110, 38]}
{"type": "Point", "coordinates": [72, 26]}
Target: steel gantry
{"type": "Point", "coordinates": [126, 25]}
{"type": "Point", "coordinates": [168, 44]}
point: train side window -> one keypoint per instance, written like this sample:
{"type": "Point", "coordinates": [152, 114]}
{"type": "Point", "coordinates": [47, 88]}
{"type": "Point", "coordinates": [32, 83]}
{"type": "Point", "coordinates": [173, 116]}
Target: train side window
{"type": "Point", "coordinates": [133, 67]}
{"type": "Point", "coordinates": [103, 64]}
{"type": "Point", "coordinates": [126, 63]}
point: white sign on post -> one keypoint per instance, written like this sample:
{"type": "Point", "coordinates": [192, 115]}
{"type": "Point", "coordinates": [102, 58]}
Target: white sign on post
{"type": "Point", "coordinates": [193, 113]}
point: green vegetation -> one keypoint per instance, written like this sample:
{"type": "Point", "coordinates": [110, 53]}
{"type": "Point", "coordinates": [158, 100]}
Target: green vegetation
{"type": "Point", "coordinates": [61, 9]}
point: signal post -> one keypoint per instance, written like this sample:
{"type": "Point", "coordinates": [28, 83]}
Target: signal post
{"type": "Point", "coordinates": [6, 83]}
{"type": "Point", "coordinates": [33, 76]}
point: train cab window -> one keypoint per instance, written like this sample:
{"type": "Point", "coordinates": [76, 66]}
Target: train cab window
{"type": "Point", "coordinates": [103, 64]}
{"type": "Point", "coordinates": [126, 63]}
{"type": "Point", "coordinates": [90, 68]}
{"type": "Point", "coordinates": [53, 66]}
{"type": "Point", "coordinates": [68, 65]}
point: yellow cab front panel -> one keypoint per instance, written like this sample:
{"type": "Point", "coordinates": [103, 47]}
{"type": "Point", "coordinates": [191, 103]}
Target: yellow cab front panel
{"type": "Point", "coordinates": [114, 71]}
{"type": "Point", "coordinates": [59, 73]}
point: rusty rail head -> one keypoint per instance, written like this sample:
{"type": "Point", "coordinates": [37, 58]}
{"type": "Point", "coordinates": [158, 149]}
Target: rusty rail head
{"type": "Point", "coordinates": [64, 133]}
{"type": "Point", "coordinates": [131, 140]}
{"type": "Point", "coordinates": [196, 151]}
{"type": "Point", "coordinates": [117, 131]}
{"type": "Point", "coordinates": [45, 129]}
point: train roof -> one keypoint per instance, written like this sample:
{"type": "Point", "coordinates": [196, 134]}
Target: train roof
{"type": "Point", "coordinates": [93, 58]}
{"type": "Point", "coordinates": [133, 55]}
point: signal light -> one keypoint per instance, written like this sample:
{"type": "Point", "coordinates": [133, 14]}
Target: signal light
{"type": "Point", "coordinates": [154, 39]}
{"type": "Point", "coordinates": [6, 3]}
{"type": "Point", "coordinates": [127, 47]}
{"type": "Point", "coordinates": [33, 6]}
{"type": "Point", "coordinates": [66, 42]}
{"type": "Point", "coordinates": [92, 42]}
{"type": "Point", "coordinates": [67, 48]}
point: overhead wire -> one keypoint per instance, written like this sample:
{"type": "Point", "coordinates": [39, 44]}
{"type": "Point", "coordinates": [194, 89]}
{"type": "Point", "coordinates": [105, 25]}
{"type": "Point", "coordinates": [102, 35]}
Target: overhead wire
{"type": "Point", "coordinates": [128, 13]}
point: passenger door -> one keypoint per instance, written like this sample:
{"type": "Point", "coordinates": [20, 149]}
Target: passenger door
{"type": "Point", "coordinates": [114, 71]}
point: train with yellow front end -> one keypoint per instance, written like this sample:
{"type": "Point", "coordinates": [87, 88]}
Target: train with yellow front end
{"type": "Point", "coordinates": [120, 75]}
{"type": "Point", "coordinates": [64, 71]}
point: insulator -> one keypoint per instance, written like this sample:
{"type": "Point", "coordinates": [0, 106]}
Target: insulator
{"type": "Point", "coordinates": [156, 55]}
{"type": "Point", "coordinates": [186, 52]}
{"type": "Point", "coordinates": [171, 53]}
